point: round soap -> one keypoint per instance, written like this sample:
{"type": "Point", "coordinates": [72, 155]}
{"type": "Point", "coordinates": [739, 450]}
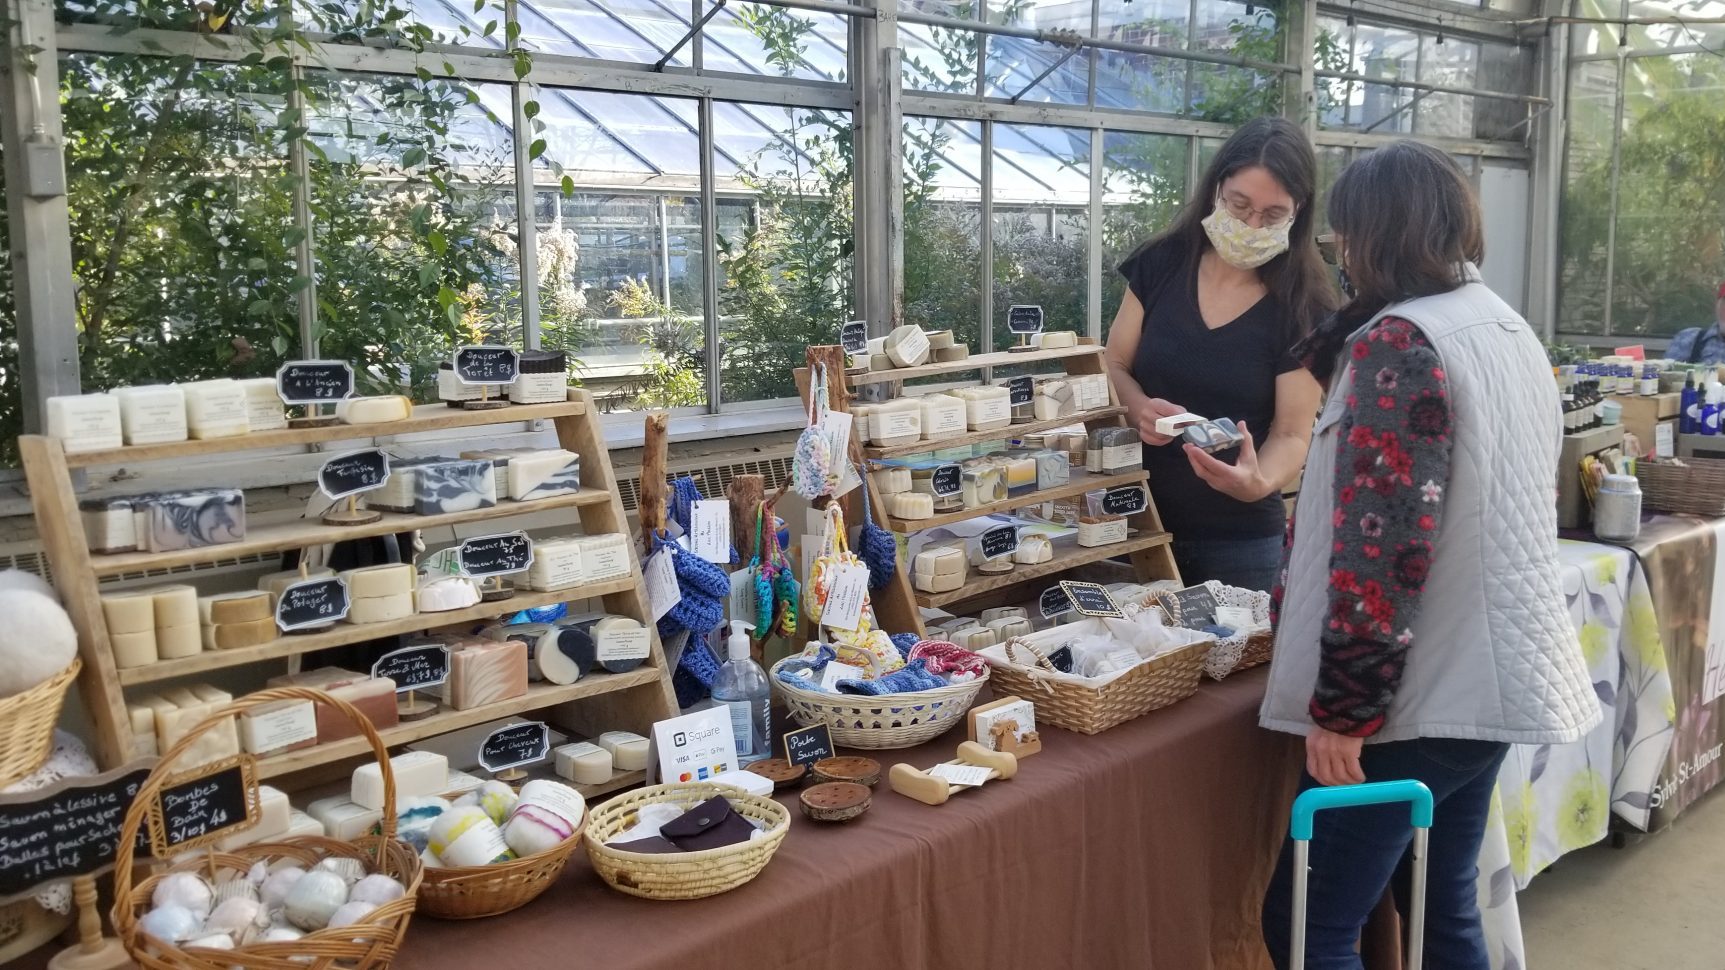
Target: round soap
{"type": "Point", "coordinates": [314, 898]}
{"type": "Point", "coordinates": [564, 654]}
{"type": "Point", "coordinates": [498, 800]}
{"type": "Point", "coordinates": [619, 627]}
{"type": "Point", "coordinates": [780, 772]}
{"type": "Point", "coordinates": [186, 890]}
{"type": "Point", "coordinates": [862, 771]}
{"type": "Point", "coordinates": [466, 836]}
{"type": "Point", "coordinates": [548, 815]}
{"type": "Point", "coordinates": [838, 801]}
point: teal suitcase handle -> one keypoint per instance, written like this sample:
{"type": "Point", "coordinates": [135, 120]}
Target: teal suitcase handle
{"type": "Point", "coordinates": [1314, 800]}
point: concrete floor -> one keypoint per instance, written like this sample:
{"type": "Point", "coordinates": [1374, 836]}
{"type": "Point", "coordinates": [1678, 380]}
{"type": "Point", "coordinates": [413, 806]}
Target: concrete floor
{"type": "Point", "coordinates": [1657, 904]}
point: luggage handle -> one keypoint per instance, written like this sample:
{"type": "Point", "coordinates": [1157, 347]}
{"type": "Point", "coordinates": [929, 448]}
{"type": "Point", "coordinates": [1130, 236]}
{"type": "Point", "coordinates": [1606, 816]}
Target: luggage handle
{"type": "Point", "coordinates": [1314, 800]}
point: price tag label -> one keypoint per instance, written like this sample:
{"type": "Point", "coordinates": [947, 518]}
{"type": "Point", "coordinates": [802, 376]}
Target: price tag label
{"type": "Point", "coordinates": [741, 604]}
{"type": "Point", "coordinates": [1091, 599]}
{"type": "Point", "coordinates": [353, 473]}
{"type": "Point", "coordinates": [999, 541]}
{"type": "Point", "coordinates": [710, 530]}
{"type": "Point", "coordinates": [834, 672]}
{"type": "Point", "coordinates": [203, 806]}
{"type": "Point", "coordinates": [69, 828]}
{"type": "Point", "coordinates": [514, 746]}
{"type": "Point", "coordinates": [946, 480]}
{"type": "Point", "coordinates": [486, 364]}
{"type": "Point", "coordinates": [1024, 319]}
{"type": "Point", "coordinates": [854, 337]}
{"type": "Point", "coordinates": [808, 745]}
{"type": "Point", "coordinates": [1054, 602]}
{"type": "Point", "coordinates": [1022, 389]}
{"type": "Point", "coordinates": [314, 381]}
{"type": "Point", "coordinates": [661, 577]}
{"type": "Point", "coordinates": [1192, 607]}
{"type": "Point", "coordinates": [844, 603]}
{"type": "Point", "coordinates": [1665, 445]}
{"type": "Point", "coordinates": [316, 602]}
{"type": "Point", "coordinates": [508, 552]}
{"type": "Point", "coordinates": [1124, 500]}
{"type": "Point", "coordinates": [962, 776]}
{"type": "Point", "coordinates": [414, 668]}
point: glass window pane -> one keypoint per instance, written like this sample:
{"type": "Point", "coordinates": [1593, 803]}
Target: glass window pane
{"type": "Point", "coordinates": [638, 31]}
{"type": "Point", "coordinates": [786, 275]}
{"type": "Point", "coordinates": [1510, 69]}
{"type": "Point", "coordinates": [1451, 63]}
{"type": "Point", "coordinates": [1334, 51]}
{"type": "Point", "coordinates": [1140, 81]}
{"type": "Point", "coordinates": [756, 38]}
{"type": "Point", "coordinates": [939, 58]}
{"type": "Point", "coordinates": [1688, 24]}
{"type": "Point", "coordinates": [943, 227]}
{"type": "Point", "coordinates": [1585, 212]}
{"type": "Point", "coordinates": [1153, 23]}
{"type": "Point", "coordinates": [1143, 190]}
{"type": "Point", "coordinates": [1041, 224]}
{"type": "Point", "coordinates": [1016, 63]}
{"type": "Point", "coordinates": [1585, 39]}
{"type": "Point", "coordinates": [1389, 53]}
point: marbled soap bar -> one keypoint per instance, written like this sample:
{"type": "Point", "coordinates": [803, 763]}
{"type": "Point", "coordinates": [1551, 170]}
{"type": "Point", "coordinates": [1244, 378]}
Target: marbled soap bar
{"type": "Point", "coordinates": [543, 474]}
{"type": "Point", "coordinates": [453, 486]}
{"type": "Point", "coordinates": [396, 494]}
{"type": "Point", "coordinates": [485, 672]}
{"type": "Point", "coordinates": [192, 520]}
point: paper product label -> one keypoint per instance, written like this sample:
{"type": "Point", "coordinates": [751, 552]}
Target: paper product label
{"type": "Point", "coordinates": [913, 345]}
{"type": "Point", "coordinates": [1237, 618]}
{"type": "Point", "coordinates": [844, 602]}
{"type": "Point", "coordinates": [990, 410]}
{"type": "Point", "coordinates": [274, 730]}
{"type": "Point", "coordinates": [741, 603]}
{"type": "Point", "coordinates": [556, 568]}
{"type": "Point", "coordinates": [560, 800]}
{"type": "Point", "coordinates": [963, 776]}
{"type": "Point", "coordinates": [625, 644]}
{"type": "Point", "coordinates": [1123, 456]}
{"type": "Point", "coordinates": [942, 421]}
{"type": "Point", "coordinates": [1664, 445]}
{"type": "Point", "coordinates": [1021, 713]}
{"type": "Point", "coordinates": [710, 530]}
{"type": "Point", "coordinates": [1101, 533]}
{"type": "Point", "coordinates": [662, 591]}
{"type": "Point", "coordinates": [896, 424]}
{"type": "Point", "coordinates": [605, 562]}
{"type": "Point", "coordinates": [479, 845]}
{"type": "Point", "coordinates": [834, 672]}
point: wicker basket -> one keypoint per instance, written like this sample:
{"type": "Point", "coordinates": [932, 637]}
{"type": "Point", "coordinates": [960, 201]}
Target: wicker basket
{"type": "Point", "coordinates": [371, 944]}
{"type": "Point", "coordinates": [682, 875]}
{"type": "Point", "coordinates": [1696, 487]}
{"type": "Point", "coordinates": [1065, 703]}
{"type": "Point", "coordinates": [881, 721]}
{"type": "Point", "coordinates": [1240, 651]}
{"type": "Point", "coordinates": [473, 892]}
{"type": "Point", "coordinates": [27, 725]}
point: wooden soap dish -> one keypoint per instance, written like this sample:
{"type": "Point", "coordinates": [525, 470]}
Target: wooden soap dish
{"type": "Point", "coordinates": [780, 772]}
{"type": "Point", "coordinates": [836, 801]}
{"type": "Point", "coordinates": [931, 790]}
{"type": "Point", "coordinates": [861, 771]}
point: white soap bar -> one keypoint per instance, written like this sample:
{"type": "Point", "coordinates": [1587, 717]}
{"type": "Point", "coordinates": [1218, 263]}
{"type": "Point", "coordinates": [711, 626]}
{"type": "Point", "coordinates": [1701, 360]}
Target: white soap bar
{"type": "Point", "coordinates": [385, 580]}
{"type": "Point", "coordinates": [134, 649]}
{"type": "Point", "coordinates": [907, 346]}
{"type": "Point", "coordinates": [276, 583]}
{"type": "Point", "coordinates": [133, 611]}
{"type": "Point", "coordinates": [1172, 424]}
{"type": "Point", "coordinates": [1101, 532]}
{"type": "Point", "coordinates": [450, 388]}
{"type": "Point", "coordinates": [891, 479]}
{"type": "Point", "coordinates": [380, 609]}
{"type": "Point", "coordinates": [274, 816]}
{"type": "Point", "coordinates": [175, 605]}
{"type": "Point", "coordinates": [342, 819]}
{"type": "Point", "coordinates": [604, 557]}
{"type": "Point", "coordinates": [216, 409]}
{"type": "Point", "coordinates": [941, 561]}
{"type": "Point", "coordinates": [417, 773]}
{"type": "Point", "coordinates": [1056, 339]}
{"type": "Point", "coordinates": [896, 423]}
{"type": "Point", "coordinates": [987, 408]}
{"type": "Point", "coordinates": [178, 710]}
{"type": "Point", "coordinates": [748, 781]}
{"type": "Point", "coordinates": [299, 824]}
{"type": "Point", "coordinates": [1054, 399]}
{"type": "Point", "coordinates": [556, 565]}
{"type": "Point", "coordinates": [244, 606]}
{"type": "Point", "coordinates": [85, 422]}
{"type": "Point", "coordinates": [544, 474]}
{"type": "Point", "coordinates": [583, 763]}
{"type": "Point", "coordinates": [628, 751]}
{"type": "Point", "coordinates": [264, 411]}
{"type": "Point", "coordinates": [460, 782]}
{"type": "Point", "coordinates": [277, 726]}
{"type": "Point", "coordinates": [232, 636]}
{"type": "Point", "coordinates": [943, 416]}
{"type": "Point", "coordinates": [910, 506]}
{"type": "Point", "coordinates": [179, 642]}
{"type": "Point", "coordinates": [152, 414]}
{"type": "Point", "coordinates": [940, 339]}
{"type": "Point", "coordinates": [373, 410]}
{"type": "Point", "coordinates": [936, 582]}
{"type": "Point", "coordinates": [143, 718]}
{"type": "Point", "coordinates": [445, 593]}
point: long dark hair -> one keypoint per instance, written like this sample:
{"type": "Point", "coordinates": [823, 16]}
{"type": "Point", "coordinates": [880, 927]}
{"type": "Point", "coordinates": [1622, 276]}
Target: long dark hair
{"type": "Point", "coordinates": [1408, 220]}
{"type": "Point", "coordinates": [1296, 278]}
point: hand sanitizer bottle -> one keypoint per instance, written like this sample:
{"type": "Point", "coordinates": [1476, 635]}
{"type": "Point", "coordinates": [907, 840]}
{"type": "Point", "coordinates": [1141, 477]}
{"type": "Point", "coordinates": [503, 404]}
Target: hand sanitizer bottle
{"type": "Point", "coordinates": [742, 687]}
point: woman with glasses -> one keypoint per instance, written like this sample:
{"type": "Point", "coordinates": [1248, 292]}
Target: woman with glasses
{"type": "Point", "coordinates": [1212, 309]}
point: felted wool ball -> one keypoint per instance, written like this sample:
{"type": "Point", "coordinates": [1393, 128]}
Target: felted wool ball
{"type": "Point", "coordinates": [186, 890]}
{"type": "Point", "coordinates": [468, 837]}
{"type": "Point", "coordinates": [413, 818]}
{"type": "Point", "coordinates": [19, 579]}
{"type": "Point", "coordinates": [498, 800]}
{"type": "Point", "coordinates": [36, 642]}
{"type": "Point", "coordinates": [172, 923]}
{"type": "Point", "coordinates": [547, 815]}
{"type": "Point", "coordinates": [376, 889]}
{"type": "Point", "coordinates": [351, 913]}
{"type": "Point", "coordinates": [277, 884]}
{"type": "Point", "coordinates": [314, 899]}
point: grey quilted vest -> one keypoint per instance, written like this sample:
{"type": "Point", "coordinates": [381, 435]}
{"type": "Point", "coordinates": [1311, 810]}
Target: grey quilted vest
{"type": "Point", "coordinates": [1495, 656]}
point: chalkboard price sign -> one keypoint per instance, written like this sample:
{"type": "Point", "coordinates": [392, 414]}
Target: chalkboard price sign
{"type": "Point", "coordinates": [486, 364]}
{"type": "Point", "coordinates": [809, 745]}
{"type": "Point", "coordinates": [353, 473]}
{"type": "Point", "coordinates": [204, 806]}
{"type": "Point", "coordinates": [946, 480]}
{"type": "Point", "coordinates": [514, 746]}
{"type": "Point", "coordinates": [67, 829]}
{"type": "Point", "coordinates": [1123, 500]}
{"type": "Point", "coordinates": [854, 336]}
{"type": "Point", "coordinates": [1193, 607]}
{"type": "Point", "coordinates": [1024, 319]}
{"type": "Point", "coordinates": [1002, 540]}
{"type": "Point", "coordinates": [1091, 599]}
{"type": "Point", "coordinates": [1054, 602]}
{"type": "Point", "coordinates": [509, 552]}
{"type": "Point", "coordinates": [312, 603]}
{"type": "Point", "coordinates": [1022, 389]}
{"type": "Point", "coordinates": [314, 381]}
{"type": "Point", "coordinates": [414, 668]}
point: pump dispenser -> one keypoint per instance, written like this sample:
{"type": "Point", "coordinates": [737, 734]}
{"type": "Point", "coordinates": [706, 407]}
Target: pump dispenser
{"type": "Point", "coordinates": [742, 687]}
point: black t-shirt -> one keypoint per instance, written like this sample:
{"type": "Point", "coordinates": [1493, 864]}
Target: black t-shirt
{"type": "Point", "coordinates": [1228, 372]}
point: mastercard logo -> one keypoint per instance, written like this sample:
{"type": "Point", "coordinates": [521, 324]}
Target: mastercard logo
{"type": "Point", "coordinates": [685, 776]}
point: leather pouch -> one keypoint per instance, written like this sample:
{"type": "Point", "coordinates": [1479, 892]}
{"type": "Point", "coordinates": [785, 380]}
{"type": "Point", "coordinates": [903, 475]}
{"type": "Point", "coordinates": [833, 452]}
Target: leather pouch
{"type": "Point", "coordinates": [709, 825]}
{"type": "Point", "coordinates": [652, 845]}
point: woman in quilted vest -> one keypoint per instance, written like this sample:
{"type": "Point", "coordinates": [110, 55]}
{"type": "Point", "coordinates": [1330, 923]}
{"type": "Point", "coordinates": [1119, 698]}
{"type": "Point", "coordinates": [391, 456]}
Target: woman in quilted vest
{"type": "Point", "coordinates": [1421, 624]}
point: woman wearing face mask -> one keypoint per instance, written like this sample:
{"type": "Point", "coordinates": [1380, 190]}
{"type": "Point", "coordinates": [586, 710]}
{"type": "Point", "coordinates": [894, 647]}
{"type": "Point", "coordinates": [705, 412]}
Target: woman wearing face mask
{"type": "Point", "coordinates": [1212, 308]}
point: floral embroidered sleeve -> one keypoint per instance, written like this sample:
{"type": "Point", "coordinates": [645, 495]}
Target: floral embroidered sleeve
{"type": "Point", "coordinates": [1392, 467]}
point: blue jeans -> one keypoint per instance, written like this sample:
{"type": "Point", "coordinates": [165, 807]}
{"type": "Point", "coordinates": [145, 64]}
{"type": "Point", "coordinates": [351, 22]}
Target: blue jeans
{"type": "Point", "coordinates": [1357, 852]}
{"type": "Point", "coordinates": [1246, 563]}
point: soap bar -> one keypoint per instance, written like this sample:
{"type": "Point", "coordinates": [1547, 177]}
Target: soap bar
{"type": "Point", "coordinates": [152, 414]}
{"type": "Point", "coordinates": [375, 698]}
{"type": "Point", "coordinates": [605, 557]}
{"type": "Point", "coordinates": [861, 415]}
{"type": "Point", "coordinates": [542, 377]}
{"type": "Point", "coordinates": [241, 607]}
{"type": "Point", "coordinates": [175, 605]}
{"type": "Point", "coordinates": [1121, 450]}
{"type": "Point", "coordinates": [941, 561]}
{"type": "Point", "coordinates": [1008, 627]}
{"type": "Point", "coordinates": [216, 409]}
{"type": "Point", "coordinates": [936, 582]}
{"type": "Point", "coordinates": [1171, 424]}
{"type": "Point", "coordinates": [143, 719]}
{"type": "Point", "coordinates": [179, 642]}
{"type": "Point", "coordinates": [879, 361]}
{"type": "Point", "coordinates": [628, 751]}
{"type": "Point", "coordinates": [1001, 612]}
{"type": "Point", "coordinates": [231, 636]}
{"type": "Point", "coordinates": [975, 638]}
{"type": "Point", "coordinates": [620, 643]}
{"type": "Point", "coordinates": [891, 479]}
{"type": "Point", "coordinates": [417, 773]}
{"type": "Point", "coordinates": [939, 339]}
{"type": "Point", "coordinates": [953, 354]}
{"type": "Point", "coordinates": [396, 494]}
{"type": "Point", "coordinates": [446, 593]}
{"type": "Point", "coordinates": [1056, 339]}
{"type": "Point", "coordinates": [192, 520]}
{"type": "Point", "coordinates": [483, 673]}
{"type": "Point", "coordinates": [275, 583]}
{"type": "Point", "coordinates": [109, 525]}
{"type": "Point", "coordinates": [982, 483]}
{"type": "Point", "coordinates": [278, 726]}
{"type": "Point", "coordinates": [301, 824]}
{"type": "Point", "coordinates": [544, 474]}
{"type": "Point", "coordinates": [564, 654]}
{"type": "Point", "coordinates": [453, 486]}
{"type": "Point", "coordinates": [1033, 548]}
{"type": "Point", "coordinates": [133, 611]}
{"type": "Point", "coordinates": [906, 346]}
{"type": "Point", "coordinates": [381, 409]}
{"type": "Point", "coordinates": [896, 423]}
{"type": "Point", "coordinates": [264, 411]}
{"type": "Point", "coordinates": [1091, 390]}
{"type": "Point", "coordinates": [1053, 469]}
{"type": "Point", "coordinates": [987, 408]}
{"type": "Point", "coordinates": [1055, 399]}
{"type": "Point", "coordinates": [1093, 532]}
{"type": "Point", "coordinates": [274, 815]}
{"type": "Point", "coordinates": [380, 609]}
{"type": "Point", "coordinates": [1020, 471]}
{"type": "Point", "coordinates": [134, 649]}
{"type": "Point", "coordinates": [943, 416]}
{"type": "Point", "coordinates": [323, 678]}
{"type": "Point", "coordinates": [179, 710]}
{"type": "Point", "coordinates": [85, 422]}
{"type": "Point", "coordinates": [500, 459]}
{"type": "Point", "coordinates": [910, 505]}
{"type": "Point", "coordinates": [584, 763]}
{"type": "Point", "coordinates": [556, 565]}
{"type": "Point", "coordinates": [451, 389]}
{"type": "Point", "coordinates": [342, 819]}
{"type": "Point", "coordinates": [389, 579]}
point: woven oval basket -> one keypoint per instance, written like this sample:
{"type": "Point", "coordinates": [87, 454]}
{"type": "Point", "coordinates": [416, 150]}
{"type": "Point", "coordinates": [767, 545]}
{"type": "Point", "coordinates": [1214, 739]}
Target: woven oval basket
{"type": "Point", "coordinates": [1067, 703]}
{"type": "Point", "coordinates": [474, 892]}
{"type": "Point", "coordinates": [885, 720]}
{"type": "Point", "coordinates": [27, 725]}
{"type": "Point", "coordinates": [682, 875]}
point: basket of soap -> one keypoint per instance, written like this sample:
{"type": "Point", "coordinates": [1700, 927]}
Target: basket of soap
{"type": "Point", "coordinates": [1238, 618]}
{"type": "Point", "coordinates": [653, 842]}
{"type": "Point", "coordinates": [304, 900]}
{"type": "Point", "coordinates": [1098, 673]}
{"type": "Point", "coordinates": [494, 849]}
{"type": "Point", "coordinates": [27, 721]}
{"type": "Point", "coordinates": [872, 711]}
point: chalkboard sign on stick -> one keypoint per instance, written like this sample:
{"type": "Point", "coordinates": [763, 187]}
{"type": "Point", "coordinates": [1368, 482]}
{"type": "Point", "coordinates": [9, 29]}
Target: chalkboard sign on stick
{"type": "Point", "coordinates": [486, 364]}
{"type": "Point", "coordinates": [67, 829]}
{"type": "Point", "coordinates": [353, 473]}
{"type": "Point", "coordinates": [1022, 390]}
{"type": "Point", "coordinates": [809, 745]}
{"type": "Point", "coordinates": [414, 668]}
{"type": "Point", "coordinates": [314, 381]}
{"type": "Point", "coordinates": [202, 806]}
{"type": "Point", "coordinates": [514, 746]}
{"type": "Point", "coordinates": [316, 602]}
{"type": "Point", "coordinates": [1192, 607]}
{"type": "Point", "coordinates": [1124, 500]}
{"type": "Point", "coordinates": [1090, 599]}
{"type": "Point", "coordinates": [1024, 319]}
{"type": "Point", "coordinates": [508, 552]}
{"type": "Point", "coordinates": [947, 480]}
{"type": "Point", "coordinates": [1054, 602]}
{"type": "Point", "coordinates": [854, 337]}
{"type": "Point", "coordinates": [1002, 540]}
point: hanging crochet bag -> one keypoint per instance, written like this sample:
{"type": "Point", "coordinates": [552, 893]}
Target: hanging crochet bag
{"type": "Point", "coordinates": [777, 592]}
{"type": "Point", "coordinates": [814, 467]}
{"type": "Point", "coordinates": [877, 546]}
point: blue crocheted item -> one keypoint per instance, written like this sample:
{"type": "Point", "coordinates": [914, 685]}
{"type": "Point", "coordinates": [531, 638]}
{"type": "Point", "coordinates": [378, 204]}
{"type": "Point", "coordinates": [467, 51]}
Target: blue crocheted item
{"type": "Point", "coordinates": [913, 676]}
{"type": "Point", "coordinates": [790, 672]}
{"type": "Point", "coordinates": [703, 586]}
{"type": "Point", "coordinates": [690, 690]}
{"type": "Point", "coordinates": [904, 641]}
{"type": "Point", "coordinates": [877, 547]}
{"type": "Point", "coordinates": [1218, 631]}
{"type": "Point", "coordinates": [681, 509]}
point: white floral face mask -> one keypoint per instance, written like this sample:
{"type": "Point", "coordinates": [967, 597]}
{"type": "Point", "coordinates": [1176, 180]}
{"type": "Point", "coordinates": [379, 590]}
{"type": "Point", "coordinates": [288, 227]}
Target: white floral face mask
{"type": "Point", "coordinates": [1242, 245]}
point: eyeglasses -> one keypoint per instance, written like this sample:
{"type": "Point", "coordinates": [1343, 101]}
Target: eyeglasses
{"type": "Point", "coordinates": [1274, 217]}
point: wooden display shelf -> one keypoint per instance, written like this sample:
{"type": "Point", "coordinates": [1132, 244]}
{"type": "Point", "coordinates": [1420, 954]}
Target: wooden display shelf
{"type": "Point", "coordinates": [345, 633]}
{"type": "Point", "coordinates": [980, 584]}
{"type": "Point", "coordinates": [619, 781]}
{"type": "Point", "coordinates": [426, 417]}
{"type": "Point", "coordinates": [978, 437]}
{"type": "Point", "coordinates": [1081, 482]}
{"type": "Point", "coordinates": [538, 696]}
{"type": "Point", "coordinates": [300, 534]}
{"type": "Point", "coordinates": [974, 362]}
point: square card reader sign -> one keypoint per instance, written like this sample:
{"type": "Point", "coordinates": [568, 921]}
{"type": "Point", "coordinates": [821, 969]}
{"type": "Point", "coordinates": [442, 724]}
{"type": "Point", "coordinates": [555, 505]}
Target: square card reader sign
{"type": "Point", "coordinates": [695, 747]}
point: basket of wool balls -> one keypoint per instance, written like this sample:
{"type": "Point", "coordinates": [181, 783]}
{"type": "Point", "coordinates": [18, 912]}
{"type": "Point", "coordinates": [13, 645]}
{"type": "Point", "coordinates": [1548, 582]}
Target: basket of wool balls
{"type": "Point", "coordinates": [493, 850]}
{"type": "Point", "coordinates": [38, 662]}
